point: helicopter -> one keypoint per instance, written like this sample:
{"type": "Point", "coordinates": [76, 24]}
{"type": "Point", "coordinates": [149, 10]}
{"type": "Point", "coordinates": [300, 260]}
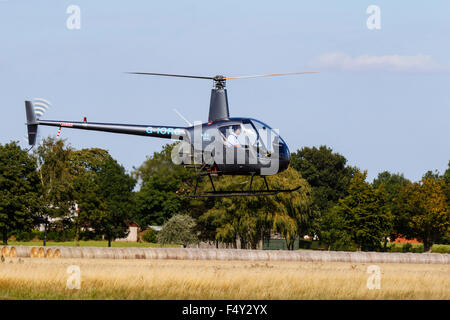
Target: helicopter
{"type": "Point", "coordinates": [224, 145]}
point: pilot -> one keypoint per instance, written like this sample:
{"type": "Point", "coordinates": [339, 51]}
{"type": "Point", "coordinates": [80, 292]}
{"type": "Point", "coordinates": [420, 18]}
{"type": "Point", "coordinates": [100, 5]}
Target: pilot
{"type": "Point", "coordinates": [233, 137]}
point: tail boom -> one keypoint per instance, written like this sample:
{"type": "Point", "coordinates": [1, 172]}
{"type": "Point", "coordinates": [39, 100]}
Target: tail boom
{"type": "Point", "coordinates": [166, 132]}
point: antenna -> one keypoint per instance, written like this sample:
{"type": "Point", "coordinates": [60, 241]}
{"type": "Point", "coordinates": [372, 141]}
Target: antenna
{"type": "Point", "coordinates": [181, 116]}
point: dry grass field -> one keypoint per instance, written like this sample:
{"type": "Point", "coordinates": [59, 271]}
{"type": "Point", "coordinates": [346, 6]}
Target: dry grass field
{"type": "Point", "coordinates": [27, 278]}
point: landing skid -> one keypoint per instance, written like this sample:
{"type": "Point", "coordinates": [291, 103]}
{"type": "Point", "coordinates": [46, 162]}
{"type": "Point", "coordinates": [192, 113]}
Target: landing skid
{"type": "Point", "coordinates": [236, 193]}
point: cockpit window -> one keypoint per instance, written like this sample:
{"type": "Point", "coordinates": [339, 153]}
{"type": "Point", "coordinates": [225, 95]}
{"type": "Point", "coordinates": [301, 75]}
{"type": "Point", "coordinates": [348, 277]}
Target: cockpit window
{"type": "Point", "coordinates": [251, 133]}
{"type": "Point", "coordinates": [266, 135]}
{"type": "Point", "coordinates": [239, 134]}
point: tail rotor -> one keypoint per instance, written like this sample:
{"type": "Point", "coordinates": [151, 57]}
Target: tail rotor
{"type": "Point", "coordinates": [41, 106]}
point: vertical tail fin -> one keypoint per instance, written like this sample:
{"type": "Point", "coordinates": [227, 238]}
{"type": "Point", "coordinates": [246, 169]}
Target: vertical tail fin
{"type": "Point", "coordinates": [32, 124]}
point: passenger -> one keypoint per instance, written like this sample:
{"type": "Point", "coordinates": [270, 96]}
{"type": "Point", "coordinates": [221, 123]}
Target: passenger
{"type": "Point", "coordinates": [233, 137]}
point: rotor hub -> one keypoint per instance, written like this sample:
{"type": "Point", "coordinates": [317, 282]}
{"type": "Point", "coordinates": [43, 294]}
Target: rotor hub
{"type": "Point", "coordinates": [219, 82]}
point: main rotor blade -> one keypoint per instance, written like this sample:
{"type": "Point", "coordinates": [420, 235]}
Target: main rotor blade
{"type": "Point", "coordinates": [170, 75]}
{"type": "Point", "coordinates": [270, 75]}
{"type": "Point", "coordinates": [221, 78]}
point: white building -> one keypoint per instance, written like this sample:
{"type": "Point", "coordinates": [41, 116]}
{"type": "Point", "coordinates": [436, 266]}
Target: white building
{"type": "Point", "coordinates": [133, 232]}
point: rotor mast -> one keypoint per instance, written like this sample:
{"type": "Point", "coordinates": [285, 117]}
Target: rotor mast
{"type": "Point", "coordinates": [218, 105]}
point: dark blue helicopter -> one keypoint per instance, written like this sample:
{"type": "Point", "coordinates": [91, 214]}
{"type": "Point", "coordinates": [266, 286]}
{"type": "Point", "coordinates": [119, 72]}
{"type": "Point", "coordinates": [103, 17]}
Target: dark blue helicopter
{"type": "Point", "coordinates": [222, 146]}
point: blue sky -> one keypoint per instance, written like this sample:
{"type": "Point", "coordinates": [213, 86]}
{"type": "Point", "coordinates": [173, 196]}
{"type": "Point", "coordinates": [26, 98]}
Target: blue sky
{"type": "Point", "coordinates": [382, 97]}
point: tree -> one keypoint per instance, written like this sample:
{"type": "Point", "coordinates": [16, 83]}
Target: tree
{"type": "Point", "coordinates": [103, 192]}
{"type": "Point", "coordinates": [91, 207]}
{"type": "Point", "coordinates": [156, 202]}
{"type": "Point", "coordinates": [447, 173]}
{"type": "Point", "coordinates": [161, 179]}
{"type": "Point", "coordinates": [150, 235]}
{"type": "Point", "coordinates": [179, 229]}
{"type": "Point", "coordinates": [56, 179]}
{"type": "Point", "coordinates": [368, 220]}
{"type": "Point", "coordinates": [19, 189]}
{"type": "Point", "coordinates": [425, 202]}
{"type": "Point", "coordinates": [333, 231]}
{"type": "Point", "coordinates": [116, 189]}
{"type": "Point", "coordinates": [392, 184]}
{"type": "Point", "coordinates": [432, 175]}
{"type": "Point", "coordinates": [446, 178]}
{"type": "Point", "coordinates": [246, 220]}
{"type": "Point", "coordinates": [242, 221]}
{"type": "Point", "coordinates": [326, 172]}
{"type": "Point", "coordinates": [291, 213]}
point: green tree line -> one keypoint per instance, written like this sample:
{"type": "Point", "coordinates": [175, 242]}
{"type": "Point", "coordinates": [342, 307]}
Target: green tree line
{"type": "Point", "coordinates": [88, 194]}
{"type": "Point", "coordinates": [85, 192]}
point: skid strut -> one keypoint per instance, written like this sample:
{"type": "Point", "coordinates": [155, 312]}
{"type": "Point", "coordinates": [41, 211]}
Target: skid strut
{"type": "Point", "coordinates": [236, 193]}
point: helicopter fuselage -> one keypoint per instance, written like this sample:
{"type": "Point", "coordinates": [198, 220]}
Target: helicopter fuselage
{"type": "Point", "coordinates": [259, 149]}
